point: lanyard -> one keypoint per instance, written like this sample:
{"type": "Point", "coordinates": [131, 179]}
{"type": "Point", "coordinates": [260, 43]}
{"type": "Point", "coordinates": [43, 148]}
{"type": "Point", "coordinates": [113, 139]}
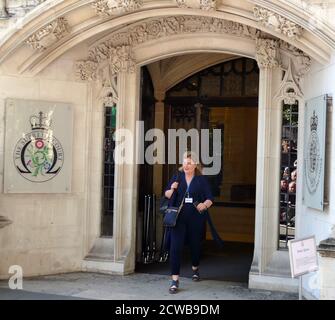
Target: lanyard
{"type": "Point", "coordinates": [188, 187]}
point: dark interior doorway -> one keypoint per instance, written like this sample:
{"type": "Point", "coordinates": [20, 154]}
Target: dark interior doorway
{"type": "Point", "coordinates": [232, 263]}
{"type": "Point", "coordinates": [223, 96]}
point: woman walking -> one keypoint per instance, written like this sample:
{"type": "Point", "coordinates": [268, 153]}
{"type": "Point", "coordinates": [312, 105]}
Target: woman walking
{"type": "Point", "coordinates": [194, 188]}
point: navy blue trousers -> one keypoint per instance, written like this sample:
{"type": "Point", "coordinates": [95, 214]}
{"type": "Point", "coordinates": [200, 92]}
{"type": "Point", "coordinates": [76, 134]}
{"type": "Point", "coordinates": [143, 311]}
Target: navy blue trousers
{"type": "Point", "coordinates": [190, 224]}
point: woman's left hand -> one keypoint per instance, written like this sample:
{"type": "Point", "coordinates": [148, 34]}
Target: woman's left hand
{"type": "Point", "coordinates": [201, 207]}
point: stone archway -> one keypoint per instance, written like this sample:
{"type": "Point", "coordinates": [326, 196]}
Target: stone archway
{"type": "Point", "coordinates": [124, 61]}
{"type": "Point", "coordinates": [151, 34]}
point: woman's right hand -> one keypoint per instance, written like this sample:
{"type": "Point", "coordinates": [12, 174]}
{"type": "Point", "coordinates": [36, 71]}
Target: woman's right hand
{"type": "Point", "coordinates": [169, 193]}
{"type": "Point", "coordinates": [174, 185]}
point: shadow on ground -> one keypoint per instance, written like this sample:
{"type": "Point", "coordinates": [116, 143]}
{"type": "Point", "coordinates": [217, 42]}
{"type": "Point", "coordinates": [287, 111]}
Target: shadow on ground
{"type": "Point", "coordinates": [231, 263]}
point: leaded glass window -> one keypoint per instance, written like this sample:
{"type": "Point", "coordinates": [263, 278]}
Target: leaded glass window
{"type": "Point", "coordinates": [108, 175]}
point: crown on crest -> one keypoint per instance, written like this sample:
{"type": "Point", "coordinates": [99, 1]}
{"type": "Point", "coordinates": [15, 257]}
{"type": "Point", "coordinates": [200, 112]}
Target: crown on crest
{"type": "Point", "coordinates": [40, 121]}
{"type": "Point", "coordinates": [314, 121]}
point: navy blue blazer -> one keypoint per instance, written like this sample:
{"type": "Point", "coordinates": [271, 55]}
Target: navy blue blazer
{"type": "Point", "coordinates": [199, 189]}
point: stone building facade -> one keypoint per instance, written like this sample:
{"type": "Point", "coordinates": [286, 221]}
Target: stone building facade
{"type": "Point", "coordinates": [89, 53]}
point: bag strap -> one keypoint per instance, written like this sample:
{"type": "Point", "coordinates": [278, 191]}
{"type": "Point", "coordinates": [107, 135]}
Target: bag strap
{"type": "Point", "coordinates": [215, 235]}
{"type": "Point", "coordinates": [182, 202]}
{"type": "Point", "coordinates": [173, 193]}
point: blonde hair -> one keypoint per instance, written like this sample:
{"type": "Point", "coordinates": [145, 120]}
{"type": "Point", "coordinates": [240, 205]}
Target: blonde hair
{"type": "Point", "coordinates": [193, 156]}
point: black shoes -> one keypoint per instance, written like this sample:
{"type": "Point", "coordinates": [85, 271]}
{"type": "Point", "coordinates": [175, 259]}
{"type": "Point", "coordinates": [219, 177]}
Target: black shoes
{"type": "Point", "coordinates": [196, 276]}
{"type": "Point", "coordinates": [174, 286]}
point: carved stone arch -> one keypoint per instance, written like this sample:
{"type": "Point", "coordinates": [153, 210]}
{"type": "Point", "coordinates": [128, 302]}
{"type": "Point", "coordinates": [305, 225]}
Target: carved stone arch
{"type": "Point", "coordinates": [126, 56]}
{"type": "Point", "coordinates": [166, 37]}
{"type": "Point", "coordinates": [169, 36]}
{"type": "Point", "coordinates": [36, 28]}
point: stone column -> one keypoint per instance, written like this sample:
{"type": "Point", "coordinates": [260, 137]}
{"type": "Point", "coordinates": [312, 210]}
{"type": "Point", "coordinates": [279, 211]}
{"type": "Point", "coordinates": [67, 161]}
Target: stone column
{"type": "Point", "coordinates": [125, 175]}
{"type": "Point", "coordinates": [125, 182]}
{"type": "Point", "coordinates": [268, 166]}
{"type": "Point", "coordinates": [3, 11]}
{"type": "Point", "coordinates": [118, 81]}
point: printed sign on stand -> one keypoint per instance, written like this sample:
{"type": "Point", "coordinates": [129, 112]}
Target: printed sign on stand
{"type": "Point", "coordinates": [303, 256]}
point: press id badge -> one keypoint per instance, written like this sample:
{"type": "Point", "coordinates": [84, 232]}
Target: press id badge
{"type": "Point", "coordinates": [188, 200]}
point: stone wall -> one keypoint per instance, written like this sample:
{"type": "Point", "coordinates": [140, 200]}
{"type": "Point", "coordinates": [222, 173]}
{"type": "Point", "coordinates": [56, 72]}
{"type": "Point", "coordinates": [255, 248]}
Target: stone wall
{"type": "Point", "coordinates": [47, 234]}
{"type": "Point", "coordinates": [319, 81]}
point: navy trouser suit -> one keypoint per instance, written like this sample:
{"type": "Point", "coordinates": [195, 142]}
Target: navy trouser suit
{"type": "Point", "coordinates": [190, 223]}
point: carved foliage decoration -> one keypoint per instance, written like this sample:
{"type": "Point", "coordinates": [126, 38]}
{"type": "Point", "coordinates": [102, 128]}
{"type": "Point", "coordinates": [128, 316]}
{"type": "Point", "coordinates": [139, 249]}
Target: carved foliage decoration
{"type": "Point", "coordinates": [277, 22]}
{"type": "Point", "coordinates": [49, 34]}
{"type": "Point", "coordinates": [86, 70]}
{"type": "Point", "coordinates": [116, 50]}
{"type": "Point", "coordinates": [267, 53]}
{"type": "Point", "coordinates": [113, 7]}
{"type": "Point", "coordinates": [17, 8]}
{"type": "Point", "coordinates": [170, 26]}
{"type": "Point", "coordinates": [114, 59]}
{"type": "Point", "coordinates": [207, 5]}
{"type": "Point", "coordinates": [301, 61]}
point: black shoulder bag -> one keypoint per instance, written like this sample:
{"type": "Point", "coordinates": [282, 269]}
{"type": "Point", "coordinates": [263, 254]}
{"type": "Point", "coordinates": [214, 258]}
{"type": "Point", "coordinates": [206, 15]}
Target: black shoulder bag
{"type": "Point", "coordinates": [171, 215]}
{"type": "Point", "coordinates": [164, 202]}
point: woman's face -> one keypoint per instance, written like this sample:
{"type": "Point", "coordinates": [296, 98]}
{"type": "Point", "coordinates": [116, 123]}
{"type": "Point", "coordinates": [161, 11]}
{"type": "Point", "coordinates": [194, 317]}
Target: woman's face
{"type": "Point", "coordinates": [189, 165]}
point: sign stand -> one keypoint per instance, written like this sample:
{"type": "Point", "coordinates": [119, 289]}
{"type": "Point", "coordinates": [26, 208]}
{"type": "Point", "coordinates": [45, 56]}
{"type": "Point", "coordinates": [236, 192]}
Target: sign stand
{"type": "Point", "coordinates": [303, 258]}
{"type": "Point", "coordinates": [300, 287]}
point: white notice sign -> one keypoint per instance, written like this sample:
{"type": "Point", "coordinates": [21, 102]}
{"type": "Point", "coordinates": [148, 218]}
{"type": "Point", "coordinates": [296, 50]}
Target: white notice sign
{"type": "Point", "coordinates": [303, 258]}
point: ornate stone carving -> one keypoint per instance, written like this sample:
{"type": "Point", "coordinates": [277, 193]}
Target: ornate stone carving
{"type": "Point", "coordinates": [86, 70]}
{"type": "Point", "coordinates": [116, 50]}
{"type": "Point", "coordinates": [115, 59]}
{"type": "Point", "coordinates": [32, 3]}
{"type": "Point", "coordinates": [108, 94]}
{"type": "Point", "coordinates": [207, 5]}
{"type": "Point", "coordinates": [302, 62]}
{"type": "Point", "coordinates": [20, 8]}
{"type": "Point", "coordinates": [267, 54]}
{"type": "Point", "coordinates": [119, 58]}
{"type": "Point", "coordinates": [170, 26]}
{"type": "Point", "coordinates": [49, 34]}
{"type": "Point", "coordinates": [277, 22]}
{"type": "Point", "coordinates": [113, 7]}
{"type": "Point", "coordinates": [289, 90]}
